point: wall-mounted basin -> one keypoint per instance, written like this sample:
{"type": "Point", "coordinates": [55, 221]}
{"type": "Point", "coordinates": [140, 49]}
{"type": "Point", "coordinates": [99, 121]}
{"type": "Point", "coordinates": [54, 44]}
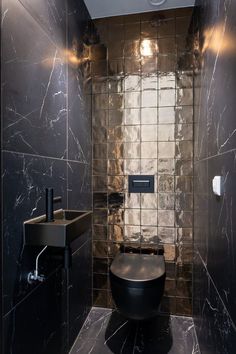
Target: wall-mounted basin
{"type": "Point", "coordinates": [66, 227]}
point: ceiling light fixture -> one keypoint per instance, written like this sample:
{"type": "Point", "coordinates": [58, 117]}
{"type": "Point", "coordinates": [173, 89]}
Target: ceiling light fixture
{"type": "Point", "coordinates": [156, 2]}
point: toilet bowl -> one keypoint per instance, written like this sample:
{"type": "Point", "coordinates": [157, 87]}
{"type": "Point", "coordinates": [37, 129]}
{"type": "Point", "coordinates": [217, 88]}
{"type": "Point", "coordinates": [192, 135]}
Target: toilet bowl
{"type": "Point", "coordinates": [137, 284]}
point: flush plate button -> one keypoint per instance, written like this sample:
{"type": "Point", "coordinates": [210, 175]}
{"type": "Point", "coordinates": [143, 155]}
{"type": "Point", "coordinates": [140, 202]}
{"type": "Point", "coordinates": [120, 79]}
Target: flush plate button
{"type": "Point", "coordinates": [141, 184]}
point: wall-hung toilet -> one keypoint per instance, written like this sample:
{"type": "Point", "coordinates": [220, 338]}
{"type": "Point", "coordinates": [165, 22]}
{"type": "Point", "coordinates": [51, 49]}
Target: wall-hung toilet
{"type": "Point", "coordinates": [137, 284]}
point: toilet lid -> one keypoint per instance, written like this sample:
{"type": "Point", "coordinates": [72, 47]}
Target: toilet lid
{"type": "Point", "coordinates": [138, 267]}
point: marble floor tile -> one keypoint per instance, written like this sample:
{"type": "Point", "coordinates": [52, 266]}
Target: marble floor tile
{"type": "Point", "coordinates": [106, 331]}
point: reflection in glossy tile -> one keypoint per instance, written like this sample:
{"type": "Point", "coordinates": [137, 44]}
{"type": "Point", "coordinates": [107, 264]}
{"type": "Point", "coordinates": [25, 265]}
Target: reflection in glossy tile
{"type": "Point", "coordinates": [166, 115]}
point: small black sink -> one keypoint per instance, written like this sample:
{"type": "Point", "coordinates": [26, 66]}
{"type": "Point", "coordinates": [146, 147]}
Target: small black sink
{"type": "Point", "coordinates": [66, 227]}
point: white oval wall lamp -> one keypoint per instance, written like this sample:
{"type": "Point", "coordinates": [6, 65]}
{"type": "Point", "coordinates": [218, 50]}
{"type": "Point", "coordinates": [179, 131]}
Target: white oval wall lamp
{"type": "Point", "coordinates": [156, 2]}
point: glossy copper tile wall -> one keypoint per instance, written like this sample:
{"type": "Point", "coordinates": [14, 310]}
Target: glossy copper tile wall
{"type": "Point", "coordinates": [143, 124]}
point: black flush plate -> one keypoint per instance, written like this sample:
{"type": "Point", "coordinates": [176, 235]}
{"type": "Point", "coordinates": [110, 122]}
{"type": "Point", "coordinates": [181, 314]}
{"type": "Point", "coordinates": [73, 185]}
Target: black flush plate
{"type": "Point", "coordinates": [141, 184]}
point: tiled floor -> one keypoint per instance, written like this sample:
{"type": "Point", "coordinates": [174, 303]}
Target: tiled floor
{"type": "Point", "coordinates": [106, 331]}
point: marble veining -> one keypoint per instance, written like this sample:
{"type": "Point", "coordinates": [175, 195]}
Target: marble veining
{"type": "Point", "coordinates": [106, 331]}
{"type": "Point", "coordinates": [214, 286]}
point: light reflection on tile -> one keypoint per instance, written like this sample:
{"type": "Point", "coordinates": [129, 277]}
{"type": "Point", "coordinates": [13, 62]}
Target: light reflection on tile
{"type": "Point", "coordinates": [115, 184]}
{"type": "Point", "coordinates": [149, 166]}
{"type": "Point", "coordinates": [132, 83]}
{"type": "Point", "coordinates": [149, 116]}
{"type": "Point", "coordinates": [167, 81]}
{"type": "Point", "coordinates": [131, 133]}
{"type": "Point", "coordinates": [166, 115]}
{"type": "Point", "coordinates": [166, 150]}
{"type": "Point", "coordinates": [132, 200]}
{"type": "Point", "coordinates": [167, 234]}
{"type": "Point", "coordinates": [166, 166]}
{"type": "Point", "coordinates": [132, 166]}
{"type": "Point", "coordinates": [149, 98]}
{"type": "Point", "coordinates": [115, 150]}
{"type": "Point", "coordinates": [149, 201]}
{"type": "Point", "coordinates": [149, 234]}
{"type": "Point", "coordinates": [166, 98]}
{"type": "Point", "coordinates": [149, 150]}
{"type": "Point", "coordinates": [149, 82]}
{"type": "Point", "coordinates": [166, 218]}
{"type": "Point", "coordinates": [132, 217]}
{"type": "Point", "coordinates": [149, 217]}
{"type": "Point", "coordinates": [132, 233]}
{"type": "Point", "coordinates": [115, 167]}
{"type": "Point", "coordinates": [166, 132]}
{"type": "Point", "coordinates": [132, 116]}
{"type": "Point", "coordinates": [184, 114]}
{"type": "Point", "coordinates": [149, 133]}
{"type": "Point", "coordinates": [132, 150]}
{"type": "Point", "coordinates": [184, 97]}
{"type": "Point", "coordinates": [184, 132]}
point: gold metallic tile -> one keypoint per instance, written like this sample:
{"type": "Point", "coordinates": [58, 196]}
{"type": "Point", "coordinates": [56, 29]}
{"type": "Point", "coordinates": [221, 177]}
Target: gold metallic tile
{"type": "Point", "coordinates": [100, 118]}
{"type": "Point", "coordinates": [166, 166]}
{"type": "Point", "coordinates": [100, 216]}
{"type": "Point", "coordinates": [116, 200]}
{"type": "Point", "coordinates": [166, 63]}
{"type": "Point", "coordinates": [166, 115]}
{"type": "Point", "coordinates": [116, 84]}
{"type": "Point", "coordinates": [184, 150]}
{"type": "Point", "coordinates": [166, 28]}
{"type": "Point", "coordinates": [185, 253]}
{"type": "Point", "coordinates": [132, 116]}
{"type": "Point", "coordinates": [98, 52]}
{"type": "Point", "coordinates": [116, 167]}
{"type": "Point", "coordinates": [99, 85]}
{"type": "Point", "coordinates": [115, 134]}
{"type": "Point", "coordinates": [100, 200]}
{"type": "Point", "coordinates": [132, 150]}
{"type": "Point", "coordinates": [116, 233]}
{"type": "Point", "coordinates": [167, 97]}
{"type": "Point", "coordinates": [184, 114]}
{"type": "Point", "coordinates": [148, 29]}
{"type": "Point", "coordinates": [166, 150]}
{"type": "Point", "coordinates": [166, 81]}
{"type": "Point", "coordinates": [166, 218]}
{"type": "Point", "coordinates": [99, 249]}
{"type": "Point", "coordinates": [149, 201]}
{"type": "Point", "coordinates": [149, 116]}
{"type": "Point", "coordinates": [149, 217]}
{"type": "Point", "coordinates": [132, 66]}
{"type": "Point", "coordinates": [183, 25]}
{"type": "Point", "coordinates": [184, 219]}
{"type": "Point", "coordinates": [149, 133]}
{"type": "Point", "coordinates": [99, 68]}
{"type": "Point", "coordinates": [184, 168]}
{"type": "Point", "coordinates": [100, 232]}
{"type": "Point", "coordinates": [99, 183]}
{"type": "Point", "coordinates": [132, 83]}
{"type": "Point", "coordinates": [116, 101]}
{"type": "Point", "coordinates": [184, 79]}
{"type": "Point", "coordinates": [166, 183]}
{"type": "Point", "coordinates": [149, 166]}
{"type": "Point", "coordinates": [116, 117]}
{"type": "Point", "coordinates": [132, 166]}
{"type": "Point", "coordinates": [100, 101]}
{"type": "Point", "coordinates": [149, 98]}
{"type": "Point", "coordinates": [184, 184]}
{"type": "Point", "coordinates": [115, 151]}
{"type": "Point", "coordinates": [116, 67]}
{"type": "Point", "coordinates": [132, 217]}
{"type": "Point", "coordinates": [132, 200]}
{"type": "Point", "coordinates": [99, 134]}
{"type": "Point", "coordinates": [185, 97]}
{"type": "Point", "coordinates": [149, 82]}
{"type": "Point", "coordinates": [115, 183]}
{"type": "Point", "coordinates": [166, 132]}
{"type": "Point", "coordinates": [132, 30]}
{"type": "Point", "coordinates": [132, 233]}
{"type": "Point", "coordinates": [132, 100]}
{"type": "Point", "coordinates": [167, 234]}
{"type": "Point", "coordinates": [116, 49]}
{"type": "Point", "coordinates": [184, 235]}
{"type": "Point", "coordinates": [184, 132]}
{"type": "Point", "coordinates": [149, 234]}
{"type": "Point", "coordinates": [166, 45]}
{"type": "Point", "coordinates": [116, 32]}
{"type": "Point", "coordinates": [132, 48]}
{"type": "Point", "coordinates": [184, 202]}
{"type": "Point", "coordinates": [166, 201]}
{"type": "Point", "coordinates": [169, 252]}
{"type": "Point", "coordinates": [149, 150]}
{"type": "Point", "coordinates": [149, 64]}
{"type": "Point", "coordinates": [131, 133]}
{"type": "Point", "coordinates": [115, 216]}
{"type": "Point", "coordinates": [99, 167]}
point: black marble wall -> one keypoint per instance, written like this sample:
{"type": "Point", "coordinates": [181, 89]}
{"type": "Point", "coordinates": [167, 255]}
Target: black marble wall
{"type": "Point", "coordinates": [46, 142]}
{"type": "Point", "coordinates": [215, 151]}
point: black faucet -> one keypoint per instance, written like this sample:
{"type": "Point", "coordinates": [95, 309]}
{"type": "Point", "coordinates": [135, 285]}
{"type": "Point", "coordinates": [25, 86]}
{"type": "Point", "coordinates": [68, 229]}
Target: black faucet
{"type": "Point", "coordinates": [49, 204]}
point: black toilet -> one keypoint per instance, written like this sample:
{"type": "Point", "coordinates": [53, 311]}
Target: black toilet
{"type": "Point", "coordinates": [137, 284]}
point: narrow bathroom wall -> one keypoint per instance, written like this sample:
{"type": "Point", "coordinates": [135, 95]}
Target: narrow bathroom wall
{"type": "Point", "coordinates": [46, 142]}
{"type": "Point", "coordinates": [214, 293]}
{"type": "Point", "coordinates": [142, 72]}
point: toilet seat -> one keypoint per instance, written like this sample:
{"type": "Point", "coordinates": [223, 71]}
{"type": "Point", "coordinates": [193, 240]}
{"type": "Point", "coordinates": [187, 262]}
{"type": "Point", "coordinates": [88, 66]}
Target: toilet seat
{"type": "Point", "coordinates": [137, 270]}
